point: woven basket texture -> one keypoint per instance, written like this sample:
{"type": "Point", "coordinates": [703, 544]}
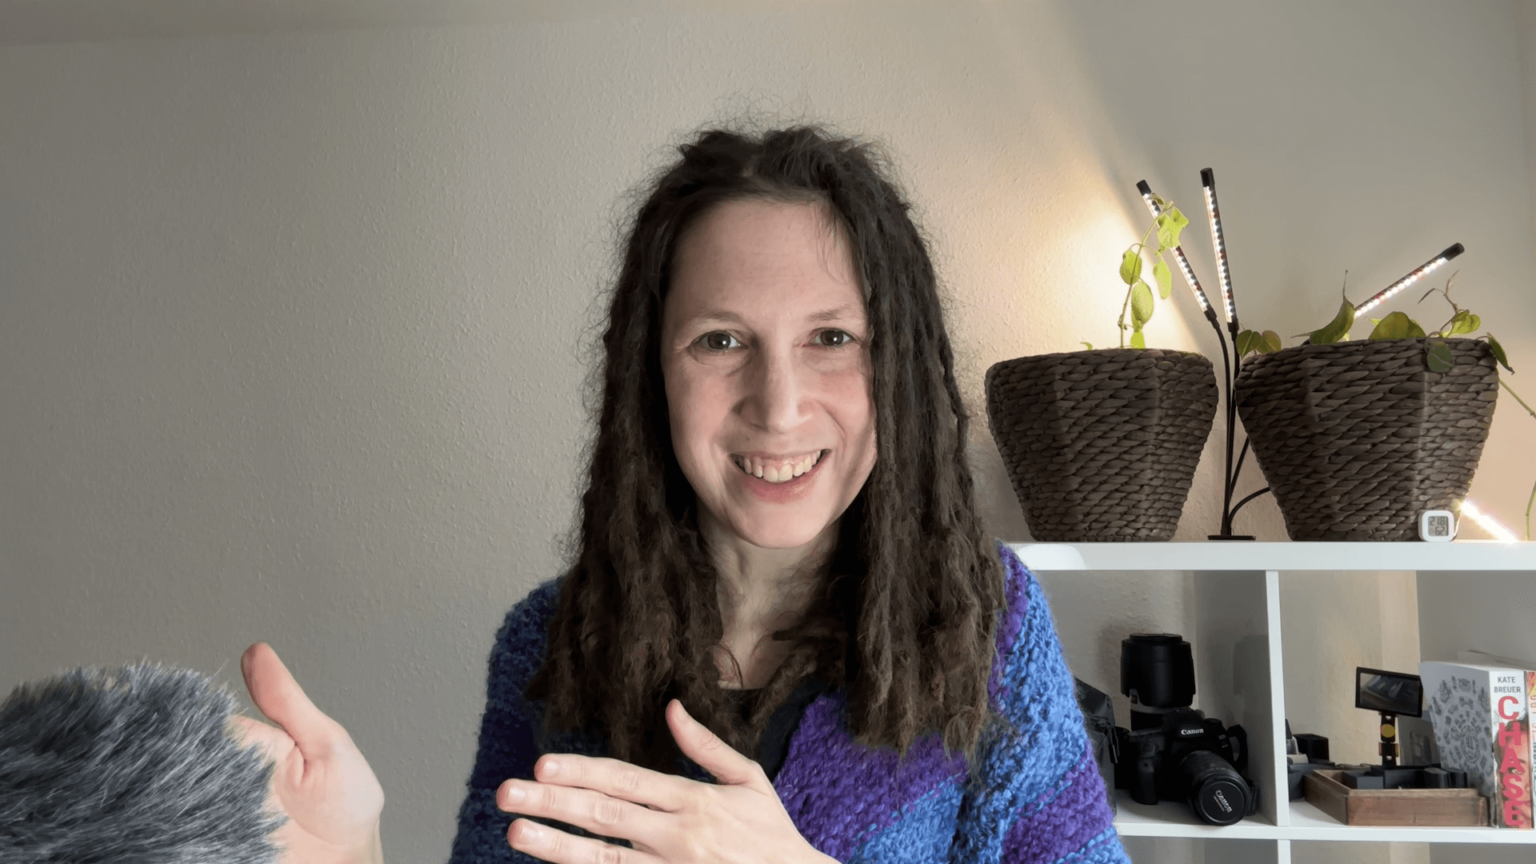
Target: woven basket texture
{"type": "Point", "coordinates": [1357, 438]}
{"type": "Point", "coordinates": [1101, 445]}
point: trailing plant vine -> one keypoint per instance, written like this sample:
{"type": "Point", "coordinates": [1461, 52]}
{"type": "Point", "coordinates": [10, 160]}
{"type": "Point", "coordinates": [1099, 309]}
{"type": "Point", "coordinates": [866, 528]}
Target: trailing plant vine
{"type": "Point", "coordinates": [1138, 295]}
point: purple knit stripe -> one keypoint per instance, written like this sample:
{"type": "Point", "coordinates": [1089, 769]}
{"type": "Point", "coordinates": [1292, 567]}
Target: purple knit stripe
{"type": "Point", "coordinates": [1063, 819]}
{"type": "Point", "coordinates": [825, 765]}
{"type": "Point", "coordinates": [1015, 578]}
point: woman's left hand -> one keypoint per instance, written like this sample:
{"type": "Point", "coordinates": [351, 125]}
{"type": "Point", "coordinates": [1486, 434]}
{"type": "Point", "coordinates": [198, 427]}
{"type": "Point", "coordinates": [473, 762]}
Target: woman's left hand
{"type": "Point", "coordinates": [667, 818]}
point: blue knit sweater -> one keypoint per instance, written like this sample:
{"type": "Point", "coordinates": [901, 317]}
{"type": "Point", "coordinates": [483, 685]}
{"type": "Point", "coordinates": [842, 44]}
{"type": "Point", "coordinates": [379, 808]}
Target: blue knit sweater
{"type": "Point", "coordinates": [1038, 796]}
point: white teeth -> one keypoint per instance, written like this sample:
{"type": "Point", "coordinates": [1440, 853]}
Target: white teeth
{"type": "Point", "coordinates": [776, 473]}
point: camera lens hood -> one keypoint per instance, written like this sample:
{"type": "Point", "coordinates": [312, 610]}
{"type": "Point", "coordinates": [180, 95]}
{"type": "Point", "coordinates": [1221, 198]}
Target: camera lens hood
{"type": "Point", "coordinates": [1159, 668]}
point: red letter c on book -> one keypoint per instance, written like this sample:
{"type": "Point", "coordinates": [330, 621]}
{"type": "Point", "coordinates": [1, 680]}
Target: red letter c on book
{"type": "Point", "coordinates": [1506, 708]}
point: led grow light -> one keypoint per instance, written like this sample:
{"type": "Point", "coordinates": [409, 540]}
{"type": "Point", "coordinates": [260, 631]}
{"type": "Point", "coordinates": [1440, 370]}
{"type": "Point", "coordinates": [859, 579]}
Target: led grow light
{"type": "Point", "coordinates": [1208, 181]}
{"type": "Point", "coordinates": [1423, 270]}
{"type": "Point", "coordinates": [1178, 251]}
{"type": "Point", "coordinates": [1488, 523]}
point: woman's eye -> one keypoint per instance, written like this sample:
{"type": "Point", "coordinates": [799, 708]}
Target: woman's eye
{"type": "Point", "coordinates": [838, 338]}
{"type": "Point", "coordinates": [717, 341]}
{"type": "Point", "coordinates": [720, 341]}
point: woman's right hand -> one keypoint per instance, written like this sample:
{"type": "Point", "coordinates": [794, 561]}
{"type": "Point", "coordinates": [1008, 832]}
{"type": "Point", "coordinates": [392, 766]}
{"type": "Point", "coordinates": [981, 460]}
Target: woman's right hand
{"type": "Point", "coordinates": [322, 782]}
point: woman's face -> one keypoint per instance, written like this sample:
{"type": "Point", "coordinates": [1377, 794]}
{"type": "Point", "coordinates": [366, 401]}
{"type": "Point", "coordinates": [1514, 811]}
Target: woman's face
{"type": "Point", "coordinates": [768, 376]}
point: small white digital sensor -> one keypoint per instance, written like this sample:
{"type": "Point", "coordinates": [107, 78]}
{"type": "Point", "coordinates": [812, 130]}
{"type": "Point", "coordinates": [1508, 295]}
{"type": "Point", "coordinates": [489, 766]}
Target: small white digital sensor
{"type": "Point", "coordinates": [1437, 525]}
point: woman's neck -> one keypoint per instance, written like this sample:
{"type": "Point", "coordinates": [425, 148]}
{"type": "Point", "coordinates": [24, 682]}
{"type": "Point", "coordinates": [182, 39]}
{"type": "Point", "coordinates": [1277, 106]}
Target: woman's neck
{"type": "Point", "coordinates": [749, 623]}
{"type": "Point", "coordinates": [762, 590]}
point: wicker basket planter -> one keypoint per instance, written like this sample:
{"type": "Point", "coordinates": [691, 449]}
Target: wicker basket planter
{"type": "Point", "coordinates": [1357, 438]}
{"type": "Point", "coordinates": [1102, 445]}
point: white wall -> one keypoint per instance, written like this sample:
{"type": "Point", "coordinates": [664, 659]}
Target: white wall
{"type": "Point", "coordinates": [1525, 29]}
{"type": "Point", "coordinates": [292, 324]}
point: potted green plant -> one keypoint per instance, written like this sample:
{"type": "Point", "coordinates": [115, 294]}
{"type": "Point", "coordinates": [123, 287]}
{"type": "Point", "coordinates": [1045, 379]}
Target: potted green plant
{"type": "Point", "coordinates": [1102, 444]}
{"type": "Point", "coordinates": [1357, 438]}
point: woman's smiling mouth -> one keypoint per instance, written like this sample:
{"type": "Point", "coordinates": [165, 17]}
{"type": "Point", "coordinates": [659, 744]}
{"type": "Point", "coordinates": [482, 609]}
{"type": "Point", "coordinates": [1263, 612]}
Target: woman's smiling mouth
{"type": "Point", "coordinates": [777, 470]}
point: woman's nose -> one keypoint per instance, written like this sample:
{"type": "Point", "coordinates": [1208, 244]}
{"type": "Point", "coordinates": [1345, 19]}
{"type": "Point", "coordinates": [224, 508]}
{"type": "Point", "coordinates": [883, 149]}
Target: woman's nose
{"type": "Point", "coordinates": [777, 388]}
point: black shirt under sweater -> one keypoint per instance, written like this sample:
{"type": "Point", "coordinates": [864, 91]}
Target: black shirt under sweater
{"type": "Point", "coordinates": [774, 745]}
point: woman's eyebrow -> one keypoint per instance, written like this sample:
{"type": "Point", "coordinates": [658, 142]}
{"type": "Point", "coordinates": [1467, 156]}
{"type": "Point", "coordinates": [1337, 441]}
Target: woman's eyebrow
{"type": "Point", "coordinates": [838, 313]}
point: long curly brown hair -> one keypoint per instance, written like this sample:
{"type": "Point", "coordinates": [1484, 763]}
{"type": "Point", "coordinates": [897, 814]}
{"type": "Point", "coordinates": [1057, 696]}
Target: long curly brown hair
{"type": "Point", "coordinates": [906, 614]}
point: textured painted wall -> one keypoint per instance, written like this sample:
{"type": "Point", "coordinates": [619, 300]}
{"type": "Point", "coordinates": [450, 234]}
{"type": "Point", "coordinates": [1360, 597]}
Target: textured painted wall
{"type": "Point", "coordinates": [293, 326]}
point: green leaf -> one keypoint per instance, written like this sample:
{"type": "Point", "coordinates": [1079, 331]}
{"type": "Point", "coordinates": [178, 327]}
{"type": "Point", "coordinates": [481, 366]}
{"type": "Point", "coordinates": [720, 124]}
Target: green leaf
{"type": "Point", "coordinates": [1397, 326]}
{"type": "Point", "coordinates": [1141, 305]}
{"type": "Point", "coordinates": [1138, 340]}
{"type": "Point", "coordinates": [1169, 224]}
{"type": "Point", "coordinates": [1463, 322]}
{"type": "Point", "coordinates": [1336, 330]}
{"type": "Point", "coordinates": [1130, 266]}
{"type": "Point", "coordinates": [1498, 352]}
{"type": "Point", "coordinates": [1088, 345]}
{"type": "Point", "coordinates": [1437, 356]}
{"type": "Point", "coordinates": [1163, 276]}
{"type": "Point", "coordinates": [1248, 340]}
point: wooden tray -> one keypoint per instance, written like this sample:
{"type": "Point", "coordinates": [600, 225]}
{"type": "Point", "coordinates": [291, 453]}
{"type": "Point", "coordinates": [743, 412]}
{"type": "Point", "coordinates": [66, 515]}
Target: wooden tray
{"type": "Point", "coordinates": [1394, 806]}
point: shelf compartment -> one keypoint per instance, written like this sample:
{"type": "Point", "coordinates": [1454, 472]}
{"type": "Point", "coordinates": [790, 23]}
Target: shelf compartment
{"type": "Point", "coordinates": [1232, 611]}
{"type": "Point", "coordinates": [1310, 823]}
{"type": "Point", "coordinates": [1172, 820]}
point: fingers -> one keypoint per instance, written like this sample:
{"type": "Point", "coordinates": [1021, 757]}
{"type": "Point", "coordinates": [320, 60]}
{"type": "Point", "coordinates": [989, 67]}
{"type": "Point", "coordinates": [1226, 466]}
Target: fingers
{"type": "Point", "coordinates": [542, 841]}
{"type": "Point", "coordinates": [711, 753]}
{"type": "Point", "coordinates": [601, 814]}
{"type": "Point", "coordinates": [610, 777]}
{"type": "Point", "coordinates": [278, 696]}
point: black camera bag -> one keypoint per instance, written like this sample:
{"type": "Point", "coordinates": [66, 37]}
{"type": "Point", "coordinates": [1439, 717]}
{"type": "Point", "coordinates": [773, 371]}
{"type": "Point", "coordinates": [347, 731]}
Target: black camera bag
{"type": "Point", "coordinates": [1099, 723]}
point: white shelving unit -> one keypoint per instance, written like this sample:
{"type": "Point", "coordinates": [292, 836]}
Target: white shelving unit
{"type": "Point", "coordinates": [1240, 663]}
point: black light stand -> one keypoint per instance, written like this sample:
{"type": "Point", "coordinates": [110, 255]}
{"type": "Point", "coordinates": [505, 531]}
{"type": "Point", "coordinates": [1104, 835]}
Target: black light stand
{"type": "Point", "coordinates": [1230, 361]}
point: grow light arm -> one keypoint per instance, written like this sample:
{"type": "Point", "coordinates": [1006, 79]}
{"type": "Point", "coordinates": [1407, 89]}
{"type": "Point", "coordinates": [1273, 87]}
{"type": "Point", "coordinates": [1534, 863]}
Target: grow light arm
{"type": "Point", "coordinates": [1178, 255]}
{"type": "Point", "coordinates": [1229, 359]}
{"type": "Point", "coordinates": [1415, 275]}
{"type": "Point", "coordinates": [1218, 240]}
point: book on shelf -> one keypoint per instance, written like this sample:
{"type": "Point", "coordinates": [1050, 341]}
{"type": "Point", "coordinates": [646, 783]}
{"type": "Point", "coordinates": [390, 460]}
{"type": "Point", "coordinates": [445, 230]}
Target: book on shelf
{"type": "Point", "coordinates": [1530, 695]}
{"type": "Point", "coordinates": [1481, 717]}
{"type": "Point", "coordinates": [1479, 657]}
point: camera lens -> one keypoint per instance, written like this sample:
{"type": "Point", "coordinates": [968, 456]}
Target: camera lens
{"type": "Point", "coordinates": [1218, 794]}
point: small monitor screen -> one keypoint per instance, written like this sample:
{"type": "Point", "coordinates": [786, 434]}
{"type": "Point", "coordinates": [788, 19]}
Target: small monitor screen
{"type": "Point", "coordinates": [1388, 692]}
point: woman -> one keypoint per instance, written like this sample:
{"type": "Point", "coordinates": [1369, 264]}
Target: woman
{"type": "Point", "coordinates": [779, 533]}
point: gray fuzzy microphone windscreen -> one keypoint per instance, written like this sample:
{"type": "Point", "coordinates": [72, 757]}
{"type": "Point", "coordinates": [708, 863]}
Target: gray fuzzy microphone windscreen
{"type": "Point", "coordinates": [133, 765]}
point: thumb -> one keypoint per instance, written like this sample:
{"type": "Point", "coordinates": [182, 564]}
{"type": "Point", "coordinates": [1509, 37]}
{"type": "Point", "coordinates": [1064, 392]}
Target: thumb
{"type": "Point", "coordinates": [712, 754]}
{"type": "Point", "coordinates": [274, 743]}
{"type": "Point", "coordinates": [278, 696]}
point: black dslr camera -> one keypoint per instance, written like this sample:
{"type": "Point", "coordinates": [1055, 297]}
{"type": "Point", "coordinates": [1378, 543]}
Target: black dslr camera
{"type": "Point", "coordinates": [1172, 750]}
